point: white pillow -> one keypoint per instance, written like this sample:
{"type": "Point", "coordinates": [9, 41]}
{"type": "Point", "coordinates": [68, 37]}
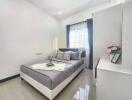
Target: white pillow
{"type": "Point", "coordinates": [67, 56]}
{"type": "Point", "coordinates": [60, 55]}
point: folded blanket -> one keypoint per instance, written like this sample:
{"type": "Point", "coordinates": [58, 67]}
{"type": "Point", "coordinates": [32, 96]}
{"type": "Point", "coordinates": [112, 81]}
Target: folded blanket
{"type": "Point", "coordinates": [43, 66]}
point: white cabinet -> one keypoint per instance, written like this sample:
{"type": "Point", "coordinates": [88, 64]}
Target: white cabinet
{"type": "Point", "coordinates": [113, 82]}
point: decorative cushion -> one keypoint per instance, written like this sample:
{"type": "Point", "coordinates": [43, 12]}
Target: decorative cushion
{"type": "Point", "coordinates": [67, 56]}
{"type": "Point", "coordinates": [60, 55]}
{"type": "Point", "coordinates": [74, 55]}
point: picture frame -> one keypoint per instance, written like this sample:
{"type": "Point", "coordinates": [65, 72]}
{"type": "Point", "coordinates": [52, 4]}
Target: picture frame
{"type": "Point", "coordinates": [116, 57]}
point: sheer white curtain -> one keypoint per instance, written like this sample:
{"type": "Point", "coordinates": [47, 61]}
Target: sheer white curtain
{"type": "Point", "coordinates": [78, 36]}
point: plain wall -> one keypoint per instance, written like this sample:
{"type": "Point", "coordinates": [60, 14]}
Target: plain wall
{"type": "Point", "coordinates": [107, 27]}
{"type": "Point", "coordinates": [107, 30]}
{"type": "Point", "coordinates": [26, 34]}
{"type": "Point", "coordinates": [127, 36]}
{"type": "Point", "coordinates": [83, 16]}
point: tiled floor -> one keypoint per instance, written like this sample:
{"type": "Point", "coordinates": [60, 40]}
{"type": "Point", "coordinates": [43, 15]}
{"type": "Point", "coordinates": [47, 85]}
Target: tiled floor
{"type": "Point", "coordinates": [18, 89]}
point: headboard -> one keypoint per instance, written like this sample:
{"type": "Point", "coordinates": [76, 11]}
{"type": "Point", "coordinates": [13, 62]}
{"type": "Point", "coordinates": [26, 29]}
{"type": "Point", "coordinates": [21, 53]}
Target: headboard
{"type": "Point", "coordinates": [75, 50]}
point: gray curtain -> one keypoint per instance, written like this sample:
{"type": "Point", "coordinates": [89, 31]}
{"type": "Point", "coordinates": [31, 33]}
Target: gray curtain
{"type": "Point", "coordinates": [90, 36]}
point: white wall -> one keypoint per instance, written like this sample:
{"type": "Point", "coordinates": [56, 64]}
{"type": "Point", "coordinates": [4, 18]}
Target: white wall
{"type": "Point", "coordinates": [25, 30]}
{"type": "Point", "coordinates": [107, 29]}
{"type": "Point", "coordinates": [82, 16]}
{"type": "Point", "coordinates": [127, 36]}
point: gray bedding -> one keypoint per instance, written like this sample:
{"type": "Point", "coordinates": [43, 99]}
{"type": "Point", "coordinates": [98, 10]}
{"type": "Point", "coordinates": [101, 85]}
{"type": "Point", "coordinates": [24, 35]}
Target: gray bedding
{"type": "Point", "coordinates": [51, 79]}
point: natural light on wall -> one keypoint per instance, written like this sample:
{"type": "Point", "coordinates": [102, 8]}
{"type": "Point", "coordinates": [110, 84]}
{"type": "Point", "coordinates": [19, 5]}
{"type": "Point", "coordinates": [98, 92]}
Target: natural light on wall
{"type": "Point", "coordinates": [118, 1]}
{"type": "Point", "coordinates": [55, 44]}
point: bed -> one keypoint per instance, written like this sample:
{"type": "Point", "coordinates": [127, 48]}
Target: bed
{"type": "Point", "coordinates": [50, 83]}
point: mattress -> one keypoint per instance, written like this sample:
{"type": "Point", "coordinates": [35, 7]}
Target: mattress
{"type": "Point", "coordinates": [51, 79]}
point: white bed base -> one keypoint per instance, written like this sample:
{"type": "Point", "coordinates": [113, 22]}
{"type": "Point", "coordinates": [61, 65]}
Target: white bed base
{"type": "Point", "coordinates": [46, 91]}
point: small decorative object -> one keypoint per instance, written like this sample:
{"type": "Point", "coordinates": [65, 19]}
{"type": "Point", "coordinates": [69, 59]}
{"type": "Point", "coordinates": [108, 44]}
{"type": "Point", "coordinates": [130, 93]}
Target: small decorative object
{"type": "Point", "coordinates": [111, 56]}
{"type": "Point", "coordinates": [116, 57]}
{"type": "Point", "coordinates": [115, 51]}
{"type": "Point", "coordinates": [113, 48]}
{"type": "Point", "coordinates": [50, 61]}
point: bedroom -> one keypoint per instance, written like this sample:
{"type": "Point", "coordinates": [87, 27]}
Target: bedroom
{"type": "Point", "coordinates": [32, 31]}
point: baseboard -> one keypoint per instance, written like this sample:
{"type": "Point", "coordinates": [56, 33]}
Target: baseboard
{"type": "Point", "coordinates": [9, 78]}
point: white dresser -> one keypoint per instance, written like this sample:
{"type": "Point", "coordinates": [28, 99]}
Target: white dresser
{"type": "Point", "coordinates": [113, 82]}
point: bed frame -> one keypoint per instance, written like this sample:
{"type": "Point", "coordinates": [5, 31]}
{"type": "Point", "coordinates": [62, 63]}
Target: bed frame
{"type": "Point", "coordinates": [46, 91]}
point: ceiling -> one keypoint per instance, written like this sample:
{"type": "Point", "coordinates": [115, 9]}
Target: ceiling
{"type": "Point", "coordinates": [63, 8]}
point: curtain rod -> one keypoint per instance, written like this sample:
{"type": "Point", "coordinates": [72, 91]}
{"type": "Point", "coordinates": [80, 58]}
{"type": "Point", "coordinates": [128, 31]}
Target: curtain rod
{"type": "Point", "coordinates": [78, 22]}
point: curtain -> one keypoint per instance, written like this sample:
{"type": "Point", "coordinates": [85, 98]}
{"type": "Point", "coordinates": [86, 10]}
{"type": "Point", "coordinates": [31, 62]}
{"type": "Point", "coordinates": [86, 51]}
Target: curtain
{"type": "Point", "coordinates": [67, 36]}
{"type": "Point", "coordinates": [90, 36]}
{"type": "Point", "coordinates": [80, 35]}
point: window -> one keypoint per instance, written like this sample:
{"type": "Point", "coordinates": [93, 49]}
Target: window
{"type": "Point", "coordinates": [78, 36]}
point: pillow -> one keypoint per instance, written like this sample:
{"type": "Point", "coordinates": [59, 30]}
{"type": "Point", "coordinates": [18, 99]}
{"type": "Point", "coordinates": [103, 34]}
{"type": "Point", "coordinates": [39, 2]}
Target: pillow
{"type": "Point", "coordinates": [80, 54]}
{"type": "Point", "coordinates": [60, 55]}
{"type": "Point", "coordinates": [67, 56]}
{"type": "Point", "coordinates": [74, 55]}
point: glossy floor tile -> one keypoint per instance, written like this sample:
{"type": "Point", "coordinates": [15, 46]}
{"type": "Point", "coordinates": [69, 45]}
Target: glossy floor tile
{"type": "Point", "coordinates": [80, 88]}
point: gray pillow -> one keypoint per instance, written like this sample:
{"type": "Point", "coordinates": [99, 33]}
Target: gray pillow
{"type": "Point", "coordinates": [74, 55]}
